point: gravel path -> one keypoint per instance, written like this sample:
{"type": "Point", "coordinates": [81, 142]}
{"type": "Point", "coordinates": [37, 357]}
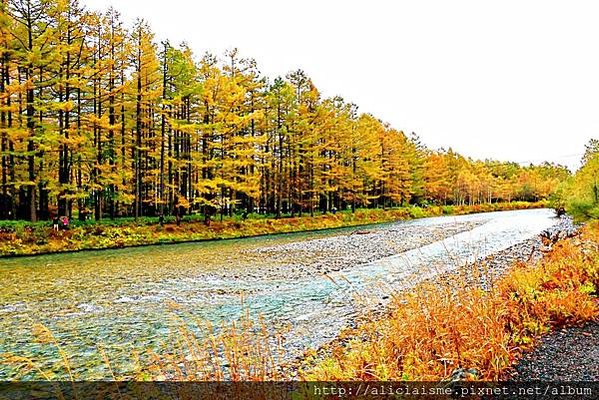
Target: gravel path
{"type": "Point", "coordinates": [570, 354]}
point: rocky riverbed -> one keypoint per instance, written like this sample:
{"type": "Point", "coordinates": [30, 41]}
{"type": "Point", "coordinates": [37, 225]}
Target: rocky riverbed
{"type": "Point", "coordinates": [125, 298]}
{"type": "Point", "coordinates": [490, 268]}
{"type": "Point", "coordinates": [495, 265]}
{"type": "Point", "coordinates": [351, 249]}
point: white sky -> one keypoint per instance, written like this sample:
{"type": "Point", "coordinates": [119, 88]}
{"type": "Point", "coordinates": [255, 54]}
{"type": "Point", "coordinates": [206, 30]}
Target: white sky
{"type": "Point", "coordinates": [509, 80]}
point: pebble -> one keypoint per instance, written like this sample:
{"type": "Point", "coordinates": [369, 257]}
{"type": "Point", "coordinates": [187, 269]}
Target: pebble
{"type": "Point", "coordinates": [342, 252]}
{"type": "Point", "coordinates": [570, 354]}
{"type": "Point", "coordinates": [491, 268]}
{"type": "Point", "coordinates": [528, 251]}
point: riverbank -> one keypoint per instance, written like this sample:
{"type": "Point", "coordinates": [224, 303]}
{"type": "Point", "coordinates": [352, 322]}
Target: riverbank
{"type": "Point", "coordinates": [21, 238]}
{"type": "Point", "coordinates": [92, 298]}
{"type": "Point", "coordinates": [452, 329]}
{"type": "Point", "coordinates": [306, 286]}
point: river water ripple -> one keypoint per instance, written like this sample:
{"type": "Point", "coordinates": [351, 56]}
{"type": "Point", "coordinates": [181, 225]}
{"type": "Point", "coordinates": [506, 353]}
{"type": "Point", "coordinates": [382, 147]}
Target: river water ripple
{"type": "Point", "coordinates": [121, 298]}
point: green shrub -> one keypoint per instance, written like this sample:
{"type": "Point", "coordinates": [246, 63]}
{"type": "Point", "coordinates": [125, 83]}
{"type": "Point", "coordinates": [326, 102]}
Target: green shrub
{"type": "Point", "coordinates": [583, 209]}
{"type": "Point", "coordinates": [416, 212]}
{"type": "Point", "coordinates": [448, 210]}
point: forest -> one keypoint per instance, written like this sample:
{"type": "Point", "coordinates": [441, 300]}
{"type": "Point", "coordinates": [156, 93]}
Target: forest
{"type": "Point", "coordinates": [173, 215]}
{"type": "Point", "coordinates": [100, 120]}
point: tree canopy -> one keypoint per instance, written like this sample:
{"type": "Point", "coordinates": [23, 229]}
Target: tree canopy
{"type": "Point", "coordinates": [100, 119]}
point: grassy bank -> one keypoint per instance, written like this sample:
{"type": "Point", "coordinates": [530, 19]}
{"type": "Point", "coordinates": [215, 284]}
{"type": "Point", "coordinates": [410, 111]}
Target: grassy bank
{"type": "Point", "coordinates": [428, 333]}
{"type": "Point", "coordinates": [442, 331]}
{"type": "Point", "coordinates": [23, 238]}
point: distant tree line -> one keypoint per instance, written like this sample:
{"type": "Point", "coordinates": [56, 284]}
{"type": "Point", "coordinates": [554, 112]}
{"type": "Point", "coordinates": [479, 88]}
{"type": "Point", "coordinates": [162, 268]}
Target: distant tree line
{"type": "Point", "coordinates": [579, 194]}
{"type": "Point", "coordinates": [98, 119]}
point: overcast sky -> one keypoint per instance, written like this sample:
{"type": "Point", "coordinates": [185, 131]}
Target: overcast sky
{"type": "Point", "coordinates": [509, 80]}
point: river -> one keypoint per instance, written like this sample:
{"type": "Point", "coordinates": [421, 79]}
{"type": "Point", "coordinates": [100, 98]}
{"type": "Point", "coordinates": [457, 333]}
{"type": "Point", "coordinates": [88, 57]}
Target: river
{"type": "Point", "coordinates": [124, 298]}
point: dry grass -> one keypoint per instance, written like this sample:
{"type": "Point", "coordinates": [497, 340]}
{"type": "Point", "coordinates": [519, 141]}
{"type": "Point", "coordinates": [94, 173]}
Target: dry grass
{"type": "Point", "coordinates": [439, 329]}
{"type": "Point", "coordinates": [234, 359]}
{"type": "Point", "coordinates": [245, 351]}
{"type": "Point", "coordinates": [428, 334]}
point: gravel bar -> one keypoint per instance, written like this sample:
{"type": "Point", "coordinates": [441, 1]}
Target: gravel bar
{"type": "Point", "coordinates": [350, 249]}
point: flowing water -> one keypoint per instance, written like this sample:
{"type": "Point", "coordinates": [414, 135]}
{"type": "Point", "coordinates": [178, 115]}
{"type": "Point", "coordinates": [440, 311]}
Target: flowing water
{"type": "Point", "coordinates": [123, 298]}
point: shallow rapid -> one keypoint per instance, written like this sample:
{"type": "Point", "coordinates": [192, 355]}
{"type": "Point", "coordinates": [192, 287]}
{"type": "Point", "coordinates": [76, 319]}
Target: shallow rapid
{"type": "Point", "coordinates": [314, 282]}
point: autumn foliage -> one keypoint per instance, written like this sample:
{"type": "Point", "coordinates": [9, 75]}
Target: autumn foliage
{"type": "Point", "coordinates": [26, 238]}
{"type": "Point", "coordinates": [97, 119]}
{"type": "Point", "coordinates": [427, 334]}
{"type": "Point", "coordinates": [437, 329]}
